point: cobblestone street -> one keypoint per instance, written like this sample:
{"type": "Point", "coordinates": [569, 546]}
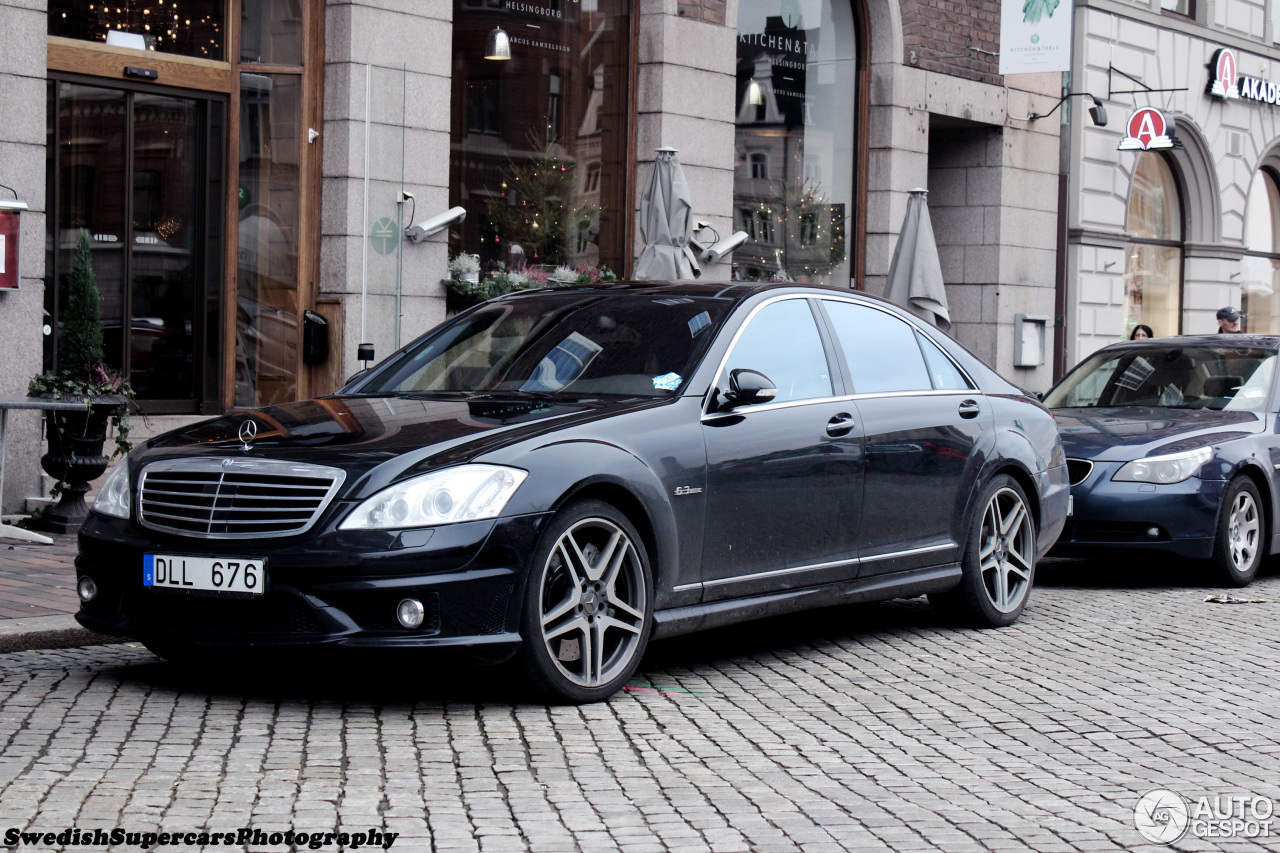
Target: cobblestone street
{"type": "Point", "coordinates": [867, 727]}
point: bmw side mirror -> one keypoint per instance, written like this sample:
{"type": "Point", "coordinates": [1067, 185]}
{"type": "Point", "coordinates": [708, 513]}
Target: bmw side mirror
{"type": "Point", "coordinates": [748, 387]}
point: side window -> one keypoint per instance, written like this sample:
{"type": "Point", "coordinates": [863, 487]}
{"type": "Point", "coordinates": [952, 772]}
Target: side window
{"type": "Point", "coordinates": [882, 350]}
{"type": "Point", "coordinates": [782, 342]}
{"type": "Point", "coordinates": [946, 376]}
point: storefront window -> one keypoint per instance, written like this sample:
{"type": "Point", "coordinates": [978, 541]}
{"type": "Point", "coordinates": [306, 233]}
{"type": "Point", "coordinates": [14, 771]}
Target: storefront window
{"type": "Point", "coordinates": [539, 140]}
{"type": "Point", "coordinates": [185, 27]}
{"type": "Point", "coordinates": [266, 306]}
{"type": "Point", "coordinates": [794, 145]}
{"type": "Point", "coordinates": [271, 31]}
{"type": "Point", "coordinates": [1260, 267]}
{"type": "Point", "coordinates": [1153, 255]}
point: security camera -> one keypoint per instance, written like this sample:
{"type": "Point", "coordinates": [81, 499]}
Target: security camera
{"type": "Point", "coordinates": [723, 247]}
{"type": "Point", "coordinates": [430, 227]}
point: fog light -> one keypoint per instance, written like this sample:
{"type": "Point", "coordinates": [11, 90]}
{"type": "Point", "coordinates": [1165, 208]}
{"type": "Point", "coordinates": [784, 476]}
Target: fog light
{"type": "Point", "coordinates": [1153, 532]}
{"type": "Point", "coordinates": [87, 589]}
{"type": "Point", "coordinates": [410, 613]}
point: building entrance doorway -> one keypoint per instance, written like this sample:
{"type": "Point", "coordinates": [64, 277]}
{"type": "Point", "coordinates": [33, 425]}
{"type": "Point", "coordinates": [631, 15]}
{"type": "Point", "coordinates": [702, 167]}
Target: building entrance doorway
{"type": "Point", "coordinates": [140, 169]}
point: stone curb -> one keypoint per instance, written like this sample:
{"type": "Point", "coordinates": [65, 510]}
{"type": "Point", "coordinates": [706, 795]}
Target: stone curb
{"type": "Point", "coordinates": [48, 632]}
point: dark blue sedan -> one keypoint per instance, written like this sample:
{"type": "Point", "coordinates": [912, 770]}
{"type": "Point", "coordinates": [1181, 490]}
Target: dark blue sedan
{"type": "Point", "coordinates": [1172, 447]}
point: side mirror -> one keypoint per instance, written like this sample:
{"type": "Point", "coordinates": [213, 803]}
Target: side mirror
{"type": "Point", "coordinates": [748, 387]}
{"type": "Point", "coordinates": [353, 377]}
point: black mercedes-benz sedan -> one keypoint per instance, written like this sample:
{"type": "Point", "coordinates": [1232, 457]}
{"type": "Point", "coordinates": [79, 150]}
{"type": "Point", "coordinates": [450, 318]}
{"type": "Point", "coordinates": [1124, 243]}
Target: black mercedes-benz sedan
{"type": "Point", "coordinates": [558, 476]}
{"type": "Point", "coordinates": [1173, 447]}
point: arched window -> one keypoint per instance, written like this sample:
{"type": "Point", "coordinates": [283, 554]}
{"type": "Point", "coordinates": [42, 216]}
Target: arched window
{"type": "Point", "coordinates": [798, 69]}
{"type": "Point", "coordinates": [1153, 255]}
{"type": "Point", "coordinates": [1260, 266]}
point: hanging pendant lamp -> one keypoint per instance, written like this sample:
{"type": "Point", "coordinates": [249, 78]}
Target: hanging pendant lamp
{"type": "Point", "coordinates": [498, 45]}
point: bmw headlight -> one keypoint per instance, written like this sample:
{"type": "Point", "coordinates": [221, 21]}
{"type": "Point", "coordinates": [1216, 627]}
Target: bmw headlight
{"type": "Point", "coordinates": [114, 497]}
{"type": "Point", "coordinates": [1173, 468]}
{"type": "Point", "coordinates": [464, 493]}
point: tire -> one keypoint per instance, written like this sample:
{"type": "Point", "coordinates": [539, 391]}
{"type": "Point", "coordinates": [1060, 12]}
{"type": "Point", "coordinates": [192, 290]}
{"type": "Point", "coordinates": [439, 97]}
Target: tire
{"type": "Point", "coordinates": [999, 561]}
{"type": "Point", "coordinates": [588, 605]}
{"type": "Point", "coordinates": [1240, 541]}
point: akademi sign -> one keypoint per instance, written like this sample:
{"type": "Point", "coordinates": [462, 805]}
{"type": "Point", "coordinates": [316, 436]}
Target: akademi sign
{"type": "Point", "coordinates": [1148, 130]}
{"type": "Point", "coordinates": [1226, 83]}
{"type": "Point", "coordinates": [10, 240]}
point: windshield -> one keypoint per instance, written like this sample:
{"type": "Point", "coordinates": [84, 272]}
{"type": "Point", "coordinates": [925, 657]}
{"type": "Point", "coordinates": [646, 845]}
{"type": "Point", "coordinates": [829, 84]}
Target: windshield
{"type": "Point", "coordinates": [1220, 378]}
{"type": "Point", "coordinates": [564, 344]}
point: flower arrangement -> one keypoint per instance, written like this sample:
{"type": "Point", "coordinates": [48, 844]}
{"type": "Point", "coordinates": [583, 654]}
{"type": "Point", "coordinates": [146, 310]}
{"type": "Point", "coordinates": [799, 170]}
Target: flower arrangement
{"type": "Point", "coordinates": [461, 294]}
{"type": "Point", "coordinates": [464, 264]}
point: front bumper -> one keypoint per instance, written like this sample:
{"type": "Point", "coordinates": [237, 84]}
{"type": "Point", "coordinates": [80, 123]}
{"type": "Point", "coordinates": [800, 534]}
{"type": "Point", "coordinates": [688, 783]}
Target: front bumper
{"type": "Point", "coordinates": [335, 589]}
{"type": "Point", "coordinates": [1179, 519]}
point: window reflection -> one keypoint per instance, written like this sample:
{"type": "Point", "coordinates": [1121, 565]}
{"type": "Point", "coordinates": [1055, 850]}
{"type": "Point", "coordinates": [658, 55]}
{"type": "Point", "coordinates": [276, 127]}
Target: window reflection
{"type": "Point", "coordinates": [793, 180]}
{"type": "Point", "coordinates": [267, 259]}
{"type": "Point", "coordinates": [539, 141]}
{"type": "Point", "coordinates": [1153, 270]}
{"type": "Point", "coordinates": [193, 28]}
{"type": "Point", "coordinates": [1260, 266]}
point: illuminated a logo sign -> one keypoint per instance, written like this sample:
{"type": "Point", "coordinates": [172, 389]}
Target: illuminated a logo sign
{"type": "Point", "coordinates": [1147, 129]}
{"type": "Point", "coordinates": [1223, 75]}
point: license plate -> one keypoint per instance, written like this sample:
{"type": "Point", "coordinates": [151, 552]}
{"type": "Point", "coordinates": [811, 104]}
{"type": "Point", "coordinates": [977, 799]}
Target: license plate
{"type": "Point", "coordinates": [210, 574]}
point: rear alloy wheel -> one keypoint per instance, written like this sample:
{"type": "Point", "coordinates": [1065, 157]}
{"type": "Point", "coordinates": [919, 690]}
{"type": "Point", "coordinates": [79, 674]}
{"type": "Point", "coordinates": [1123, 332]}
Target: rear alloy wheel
{"type": "Point", "coordinates": [1238, 547]}
{"type": "Point", "coordinates": [999, 560]}
{"type": "Point", "coordinates": [588, 604]}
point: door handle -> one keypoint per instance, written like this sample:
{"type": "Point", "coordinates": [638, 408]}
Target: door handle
{"type": "Point", "coordinates": [840, 425]}
{"type": "Point", "coordinates": [970, 409]}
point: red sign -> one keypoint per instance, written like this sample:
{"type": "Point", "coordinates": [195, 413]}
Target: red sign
{"type": "Point", "coordinates": [1148, 129]}
{"type": "Point", "coordinates": [1223, 76]}
{"type": "Point", "coordinates": [9, 238]}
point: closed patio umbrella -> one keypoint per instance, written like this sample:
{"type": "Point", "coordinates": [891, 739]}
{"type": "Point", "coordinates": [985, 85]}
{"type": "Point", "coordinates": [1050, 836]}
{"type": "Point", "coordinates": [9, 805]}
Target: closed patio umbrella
{"type": "Point", "coordinates": [666, 223]}
{"type": "Point", "coordinates": [915, 274]}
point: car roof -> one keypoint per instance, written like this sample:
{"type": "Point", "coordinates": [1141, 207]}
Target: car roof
{"type": "Point", "coordinates": [738, 291]}
{"type": "Point", "coordinates": [1232, 339]}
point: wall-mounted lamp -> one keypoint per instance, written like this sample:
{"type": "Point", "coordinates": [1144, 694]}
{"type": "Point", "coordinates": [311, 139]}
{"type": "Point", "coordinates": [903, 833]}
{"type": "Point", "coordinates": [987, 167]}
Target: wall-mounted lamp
{"type": "Point", "coordinates": [1097, 112]}
{"type": "Point", "coordinates": [498, 45]}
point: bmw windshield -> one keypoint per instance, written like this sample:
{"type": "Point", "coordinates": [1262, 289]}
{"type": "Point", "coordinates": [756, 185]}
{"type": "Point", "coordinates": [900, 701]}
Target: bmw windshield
{"type": "Point", "coordinates": [560, 344]}
{"type": "Point", "coordinates": [1220, 378]}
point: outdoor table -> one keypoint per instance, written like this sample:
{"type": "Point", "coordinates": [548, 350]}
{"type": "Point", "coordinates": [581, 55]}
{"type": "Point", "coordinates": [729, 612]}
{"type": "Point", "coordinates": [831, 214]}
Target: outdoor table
{"type": "Point", "coordinates": [7, 403]}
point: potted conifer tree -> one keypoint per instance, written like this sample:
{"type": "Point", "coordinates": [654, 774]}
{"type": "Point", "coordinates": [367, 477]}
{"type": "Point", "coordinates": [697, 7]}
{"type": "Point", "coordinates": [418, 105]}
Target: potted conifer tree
{"type": "Point", "coordinates": [76, 438]}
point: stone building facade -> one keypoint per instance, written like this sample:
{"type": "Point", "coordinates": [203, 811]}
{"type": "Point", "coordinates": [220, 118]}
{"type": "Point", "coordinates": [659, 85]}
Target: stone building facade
{"type": "Point", "coordinates": [312, 133]}
{"type": "Point", "coordinates": [1165, 236]}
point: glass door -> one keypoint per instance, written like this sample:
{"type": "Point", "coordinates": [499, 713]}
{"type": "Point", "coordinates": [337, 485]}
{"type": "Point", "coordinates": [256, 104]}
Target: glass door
{"type": "Point", "coordinates": [140, 171]}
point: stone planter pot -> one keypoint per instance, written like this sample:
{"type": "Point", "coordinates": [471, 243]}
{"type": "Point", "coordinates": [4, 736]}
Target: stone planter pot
{"type": "Point", "coordinates": [75, 458]}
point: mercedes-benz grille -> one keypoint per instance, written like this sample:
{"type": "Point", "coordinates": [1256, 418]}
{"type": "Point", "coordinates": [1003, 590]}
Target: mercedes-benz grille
{"type": "Point", "coordinates": [235, 498]}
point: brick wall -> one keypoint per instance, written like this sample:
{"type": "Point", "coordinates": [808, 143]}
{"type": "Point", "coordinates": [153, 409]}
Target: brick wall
{"type": "Point", "coordinates": [941, 32]}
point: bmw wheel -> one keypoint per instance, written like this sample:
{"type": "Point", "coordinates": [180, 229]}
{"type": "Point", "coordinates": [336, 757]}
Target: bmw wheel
{"type": "Point", "coordinates": [999, 561]}
{"type": "Point", "coordinates": [588, 607]}
{"type": "Point", "coordinates": [1238, 547]}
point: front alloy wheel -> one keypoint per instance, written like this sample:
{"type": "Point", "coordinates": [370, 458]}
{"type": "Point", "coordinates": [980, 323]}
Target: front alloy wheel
{"type": "Point", "coordinates": [587, 611]}
{"type": "Point", "coordinates": [999, 561]}
{"type": "Point", "coordinates": [1238, 548]}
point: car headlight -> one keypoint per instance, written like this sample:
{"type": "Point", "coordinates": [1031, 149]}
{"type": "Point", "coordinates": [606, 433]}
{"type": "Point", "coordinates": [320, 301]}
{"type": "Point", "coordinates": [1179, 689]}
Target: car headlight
{"type": "Point", "coordinates": [114, 497]}
{"type": "Point", "coordinates": [1173, 468]}
{"type": "Point", "coordinates": [464, 493]}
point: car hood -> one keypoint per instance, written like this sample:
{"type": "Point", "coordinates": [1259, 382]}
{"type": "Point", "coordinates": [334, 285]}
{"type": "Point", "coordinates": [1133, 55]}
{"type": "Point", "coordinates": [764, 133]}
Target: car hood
{"type": "Point", "coordinates": [1112, 434]}
{"type": "Point", "coordinates": [396, 436]}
